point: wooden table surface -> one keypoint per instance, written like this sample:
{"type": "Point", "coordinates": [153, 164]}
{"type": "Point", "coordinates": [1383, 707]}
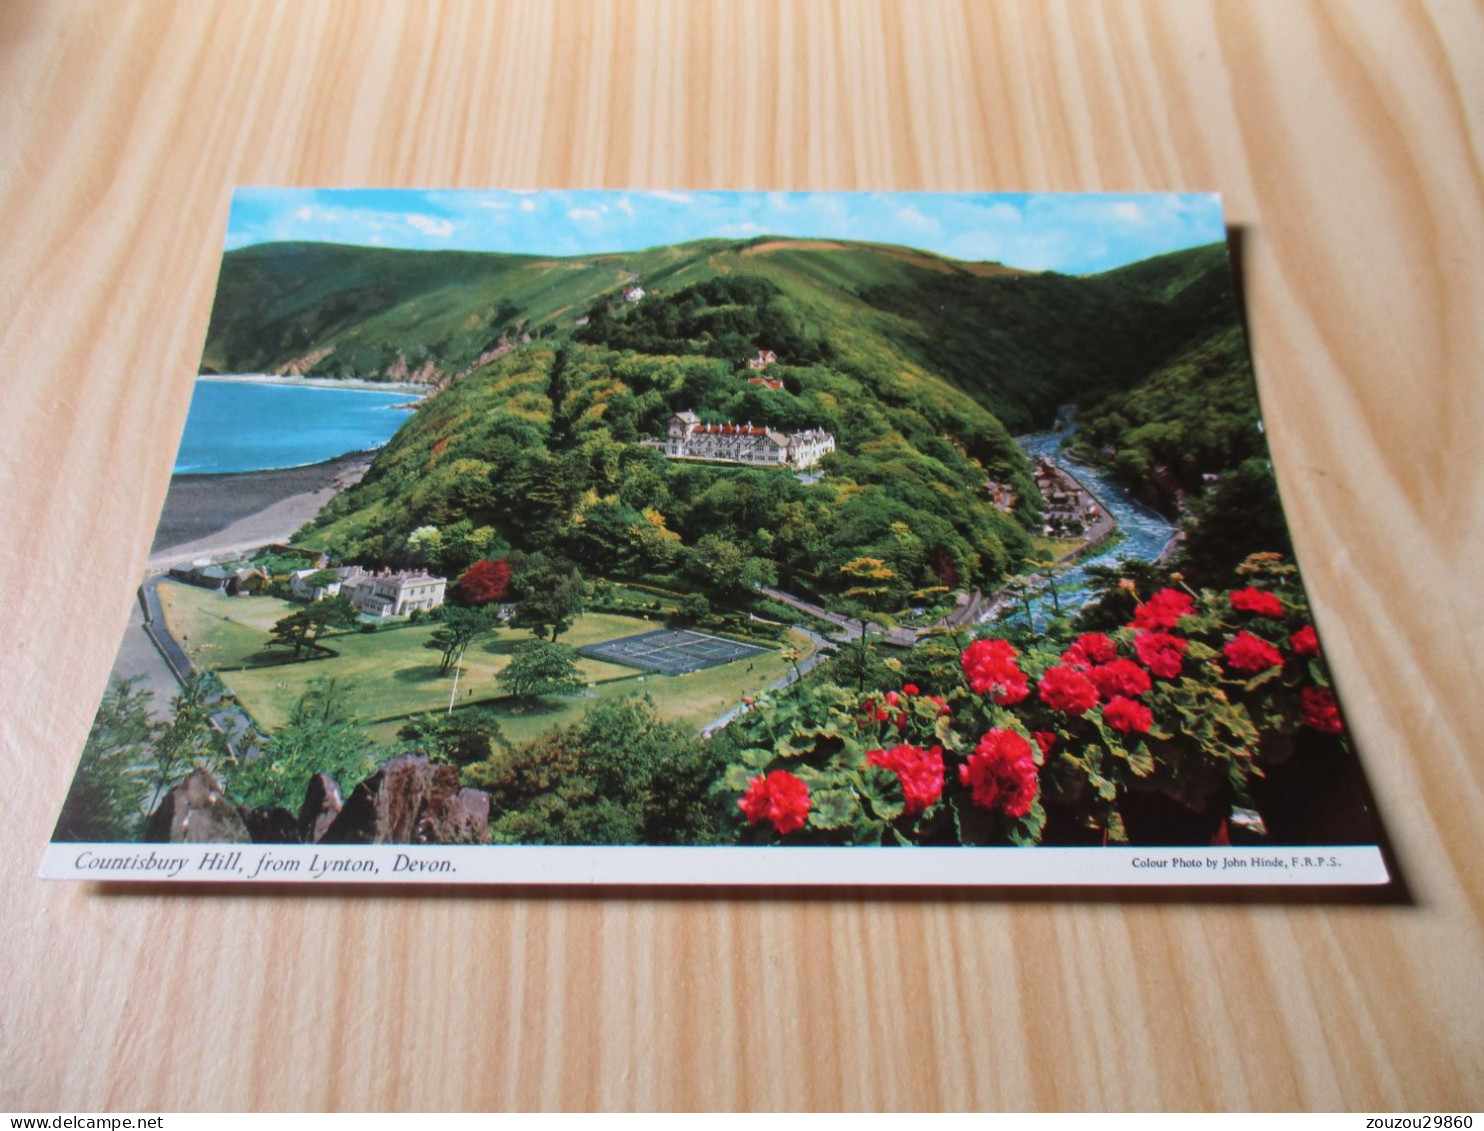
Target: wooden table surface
{"type": "Point", "coordinates": [1346, 139]}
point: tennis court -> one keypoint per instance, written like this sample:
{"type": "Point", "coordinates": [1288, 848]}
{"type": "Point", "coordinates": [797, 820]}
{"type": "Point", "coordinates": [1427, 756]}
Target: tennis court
{"type": "Point", "coordinates": [671, 651]}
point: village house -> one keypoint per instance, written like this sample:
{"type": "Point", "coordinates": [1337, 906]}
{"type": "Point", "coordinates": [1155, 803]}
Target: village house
{"type": "Point", "coordinates": [235, 581]}
{"type": "Point", "coordinates": [1070, 510]}
{"type": "Point", "coordinates": [633, 294]}
{"type": "Point", "coordinates": [763, 359]}
{"type": "Point", "coordinates": [688, 438]}
{"type": "Point", "coordinates": [1002, 494]}
{"type": "Point", "coordinates": [388, 593]}
{"type": "Point", "coordinates": [304, 589]}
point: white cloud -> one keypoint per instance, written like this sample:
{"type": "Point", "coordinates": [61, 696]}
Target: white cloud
{"type": "Point", "coordinates": [497, 205]}
{"type": "Point", "coordinates": [527, 205]}
{"type": "Point", "coordinates": [1128, 211]}
{"type": "Point", "coordinates": [673, 197]}
{"type": "Point", "coordinates": [582, 214]}
{"type": "Point", "coordinates": [910, 215]}
{"type": "Point", "coordinates": [625, 207]}
{"type": "Point", "coordinates": [430, 225]}
{"type": "Point", "coordinates": [305, 213]}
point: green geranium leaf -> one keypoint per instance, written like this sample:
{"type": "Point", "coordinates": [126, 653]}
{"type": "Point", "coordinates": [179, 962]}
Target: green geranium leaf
{"type": "Point", "coordinates": [1107, 790]}
{"type": "Point", "coordinates": [815, 778]}
{"type": "Point", "coordinates": [1200, 652]}
{"type": "Point", "coordinates": [738, 777]}
{"type": "Point", "coordinates": [943, 731]}
{"type": "Point", "coordinates": [884, 793]}
{"type": "Point", "coordinates": [1140, 761]}
{"type": "Point", "coordinates": [1263, 677]}
{"type": "Point", "coordinates": [756, 757]}
{"type": "Point", "coordinates": [1028, 829]}
{"type": "Point", "coordinates": [832, 808]}
{"type": "Point", "coordinates": [868, 833]}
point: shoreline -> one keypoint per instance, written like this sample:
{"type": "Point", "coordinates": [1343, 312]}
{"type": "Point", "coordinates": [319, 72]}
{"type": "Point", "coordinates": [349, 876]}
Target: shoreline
{"type": "Point", "coordinates": [348, 384]}
{"type": "Point", "coordinates": [212, 513]}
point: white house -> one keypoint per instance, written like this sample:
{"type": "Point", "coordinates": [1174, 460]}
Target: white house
{"type": "Point", "coordinates": [389, 593]}
{"type": "Point", "coordinates": [688, 438]}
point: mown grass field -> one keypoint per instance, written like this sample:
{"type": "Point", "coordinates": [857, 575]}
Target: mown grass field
{"type": "Point", "coordinates": [390, 673]}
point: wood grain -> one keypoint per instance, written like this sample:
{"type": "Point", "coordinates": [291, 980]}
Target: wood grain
{"type": "Point", "coordinates": [1346, 139]}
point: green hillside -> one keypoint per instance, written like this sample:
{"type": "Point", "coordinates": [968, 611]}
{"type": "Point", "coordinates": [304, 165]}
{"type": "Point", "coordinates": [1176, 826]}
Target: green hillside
{"type": "Point", "coordinates": [920, 366]}
{"type": "Point", "coordinates": [537, 453]}
{"type": "Point", "coordinates": [1018, 344]}
{"type": "Point", "coordinates": [1195, 412]}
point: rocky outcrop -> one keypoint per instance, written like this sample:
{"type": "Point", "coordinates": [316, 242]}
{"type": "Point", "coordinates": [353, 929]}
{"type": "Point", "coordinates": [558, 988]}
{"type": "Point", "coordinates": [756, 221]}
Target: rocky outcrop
{"type": "Point", "coordinates": [321, 806]}
{"type": "Point", "coordinates": [196, 812]}
{"type": "Point", "coordinates": [299, 366]}
{"type": "Point", "coordinates": [410, 800]}
{"type": "Point", "coordinates": [269, 825]}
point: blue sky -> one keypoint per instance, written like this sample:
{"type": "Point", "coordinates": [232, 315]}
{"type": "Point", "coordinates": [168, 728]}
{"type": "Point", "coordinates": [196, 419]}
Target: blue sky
{"type": "Point", "coordinates": [1074, 234]}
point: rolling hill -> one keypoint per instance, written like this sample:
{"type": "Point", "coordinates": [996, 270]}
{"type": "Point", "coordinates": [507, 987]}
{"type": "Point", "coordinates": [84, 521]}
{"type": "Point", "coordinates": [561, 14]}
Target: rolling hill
{"type": "Point", "coordinates": [921, 366]}
{"type": "Point", "coordinates": [1018, 343]}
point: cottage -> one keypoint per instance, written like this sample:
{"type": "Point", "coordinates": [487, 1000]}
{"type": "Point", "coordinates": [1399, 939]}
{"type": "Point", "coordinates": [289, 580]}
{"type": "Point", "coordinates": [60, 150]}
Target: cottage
{"type": "Point", "coordinates": [633, 294]}
{"type": "Point", "coordinates": [314, 584]}
{"type": "Point", "coordinates": [763, 359]}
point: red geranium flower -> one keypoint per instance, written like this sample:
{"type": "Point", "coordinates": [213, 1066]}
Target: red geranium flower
{"type": "Point", "coordinates": [1063, 689]}
{"type": "Point", "coordinates": [991, 670]}
{"type": "Point", "coordinates": [1045, 739]}
{"type": "Point", "coordinates": [1305, 642]}
{"type": "Point", "coordinates": [1257, 601]}
{"type": "Point", "coordinates": [943, 708]}
{"type": "Point", "coordinates": [1248, 653]}
{"type": "Point", "coordinates": [1121, 677]}
{"type": "Point", "coordinates": [780, 798]}
{"type": "Point", "coordinates": [1088, 649]}
{"type": "Point", "coordinates": [1001, 773]}
{"type": "Point", "coordinates": [920, 772]}
{"type": "Point", "coordinates": [1163, 609]}
{"type": "Point", "coordinates": [909, 689]}
{"type": "Point", "coordinates": [1161, 653]}
{"type": "Point", "coordinates": [1127, 716]}
{"type": "Point", "coordinates": [1321, 711]}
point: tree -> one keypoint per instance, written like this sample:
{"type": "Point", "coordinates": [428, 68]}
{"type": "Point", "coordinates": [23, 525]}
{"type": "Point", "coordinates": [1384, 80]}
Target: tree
{"type": "Point", "coordinates": [870, 582]}
{"type": "Point", "coordinates": [319, 738]}
{"type": "Point", "coordinates": [188, 739]}
{"type": "Point", "coordinates": [540, 668]}
{"type": "Point", "coordinates": [548, 594]}
{"type": "Point", "coordinates": [484, 582]}
{"type": "Point", "coordinates": [621, 775]}
{"type": "Point", "coordinates": [105, 799]}
{"type": "Point", "coordinates": [462, 738]}
{"type": "Point", "coordinates": [460, 628]}
{"type": "Point", "coordinates": [303, 629]}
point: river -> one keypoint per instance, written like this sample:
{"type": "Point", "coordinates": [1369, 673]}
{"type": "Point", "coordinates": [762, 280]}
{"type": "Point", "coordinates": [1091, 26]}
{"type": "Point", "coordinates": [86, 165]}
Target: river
{"type": "Point", "coordinates": [1145, 533]}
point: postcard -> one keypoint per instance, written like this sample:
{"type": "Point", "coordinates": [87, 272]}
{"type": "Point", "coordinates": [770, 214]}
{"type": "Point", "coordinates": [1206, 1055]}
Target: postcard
{"type": "Point", "coordinates": [716, 538]}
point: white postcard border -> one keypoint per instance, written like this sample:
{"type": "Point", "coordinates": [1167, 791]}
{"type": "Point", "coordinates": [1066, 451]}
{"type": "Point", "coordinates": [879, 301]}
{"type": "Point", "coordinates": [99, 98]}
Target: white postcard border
{"type": "Point", "coordinates": [1347, 865]}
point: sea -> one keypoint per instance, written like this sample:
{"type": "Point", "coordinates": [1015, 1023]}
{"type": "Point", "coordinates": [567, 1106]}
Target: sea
{"type": "Point", "coordinates": [256, 426]}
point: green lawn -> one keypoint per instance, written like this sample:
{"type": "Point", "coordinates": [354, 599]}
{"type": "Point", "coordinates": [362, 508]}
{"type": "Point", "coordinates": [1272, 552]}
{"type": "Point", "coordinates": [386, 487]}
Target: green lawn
{"type": "Point", "coordinates": [1059, 547]}
{"type": "Point", "coordinates": [390, 673]}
